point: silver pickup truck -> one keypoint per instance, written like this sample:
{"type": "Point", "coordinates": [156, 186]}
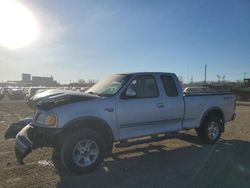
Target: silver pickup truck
{"type": "Point", "coordinates": [82, 127]}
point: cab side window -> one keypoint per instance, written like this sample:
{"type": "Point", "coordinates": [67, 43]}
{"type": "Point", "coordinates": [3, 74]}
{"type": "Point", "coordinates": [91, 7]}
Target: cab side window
{"type": "Point", "coordinates": [169, 86]}
{"type": "Point", "coordinates": [145, 87]}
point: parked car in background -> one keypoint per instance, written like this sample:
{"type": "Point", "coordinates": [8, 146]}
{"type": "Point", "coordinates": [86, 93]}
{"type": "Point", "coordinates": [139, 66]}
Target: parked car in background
{"type": "Point", "coordinates": [198, 90]}
{"type": "Point", "coordinates": [15, 93]}
{"type": "Point", "coordinates": [1, 92]}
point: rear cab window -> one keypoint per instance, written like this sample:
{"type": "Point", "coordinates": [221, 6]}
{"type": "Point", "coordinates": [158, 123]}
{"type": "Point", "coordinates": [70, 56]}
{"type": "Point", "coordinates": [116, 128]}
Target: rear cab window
{"type": "Point", "coordinates": [169, 86]}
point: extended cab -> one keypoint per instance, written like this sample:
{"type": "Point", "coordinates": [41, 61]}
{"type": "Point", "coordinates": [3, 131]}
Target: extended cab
{"type": "Point", "coordinates": [82, 127]}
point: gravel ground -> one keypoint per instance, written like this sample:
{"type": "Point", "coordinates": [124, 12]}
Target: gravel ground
{"type": "Point", "coordinates": [181, 161]}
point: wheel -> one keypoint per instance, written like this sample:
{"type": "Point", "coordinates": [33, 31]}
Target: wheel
{"type": "Point", "coordinates": [210, 130]}
{"type": "Point", "coordinates": [82, 151]}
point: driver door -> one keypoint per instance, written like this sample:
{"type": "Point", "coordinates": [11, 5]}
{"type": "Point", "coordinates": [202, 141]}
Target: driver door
{"type": "Point", "coordinates": [142, 113]}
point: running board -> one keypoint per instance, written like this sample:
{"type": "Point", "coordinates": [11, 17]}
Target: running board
{"type": "Point", "coordinates": [147, 139]}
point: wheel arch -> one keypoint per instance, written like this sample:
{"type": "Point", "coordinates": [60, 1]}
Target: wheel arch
{"type": "Point", "coordinates": [93, 123]}
{"type": "Point", "coordinates": [214, 111]}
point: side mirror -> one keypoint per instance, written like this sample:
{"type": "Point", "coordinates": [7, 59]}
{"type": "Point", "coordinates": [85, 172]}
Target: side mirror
{"type": "Point", "coordinates": [130, 92]}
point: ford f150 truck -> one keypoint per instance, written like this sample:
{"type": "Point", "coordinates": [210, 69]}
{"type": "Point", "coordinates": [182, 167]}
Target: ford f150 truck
{"type": "Point", "coordinates": [82, 127]}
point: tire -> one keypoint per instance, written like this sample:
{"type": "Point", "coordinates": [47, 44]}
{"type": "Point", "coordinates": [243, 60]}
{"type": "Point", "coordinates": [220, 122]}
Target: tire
{"type": "Point", "coordinates": [82, 151]}
{"type": "Point", "coordinates": [56, 154]}
{"type": "Point", "coordinates": [210, 131]}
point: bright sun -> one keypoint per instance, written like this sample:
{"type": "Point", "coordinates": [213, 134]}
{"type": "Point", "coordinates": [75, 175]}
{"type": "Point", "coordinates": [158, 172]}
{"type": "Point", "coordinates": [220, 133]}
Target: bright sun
{"type": "Point", "coordinates": [18, 27]}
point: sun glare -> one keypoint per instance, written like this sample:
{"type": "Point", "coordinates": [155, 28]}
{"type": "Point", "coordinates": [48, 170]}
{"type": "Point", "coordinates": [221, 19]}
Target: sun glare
{"type": "Point", "coordinates": [18, 27]}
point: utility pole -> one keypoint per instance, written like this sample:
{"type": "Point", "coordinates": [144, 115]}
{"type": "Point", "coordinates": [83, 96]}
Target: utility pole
{"type": "Point", "coordinates": [205, 81]}
{"type": "Point", "coordinates": [245, 75]}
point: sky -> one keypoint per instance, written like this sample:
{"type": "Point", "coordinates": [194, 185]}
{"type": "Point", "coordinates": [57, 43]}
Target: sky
{"type": "Point", "coordinates": [90, 39]}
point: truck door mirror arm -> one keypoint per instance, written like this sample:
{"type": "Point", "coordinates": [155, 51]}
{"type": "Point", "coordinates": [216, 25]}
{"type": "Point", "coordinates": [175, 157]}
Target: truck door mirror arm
{"type": "Point", "coordinates": [129, 93]}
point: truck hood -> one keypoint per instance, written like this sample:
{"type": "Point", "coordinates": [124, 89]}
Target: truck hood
{"type": "Point", "coordinates": [47, 93]}
{"type": "Point", "coordinates": [60, 97]}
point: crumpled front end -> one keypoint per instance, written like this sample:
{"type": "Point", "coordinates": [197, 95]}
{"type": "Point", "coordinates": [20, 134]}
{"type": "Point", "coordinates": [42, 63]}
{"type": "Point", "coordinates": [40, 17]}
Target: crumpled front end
{"type": "Point", "coordinates": [32, 137]}
{"type": "Point", "coordinates": [16, 127]}
{"type": "Point", "coordinates": [23, 144]}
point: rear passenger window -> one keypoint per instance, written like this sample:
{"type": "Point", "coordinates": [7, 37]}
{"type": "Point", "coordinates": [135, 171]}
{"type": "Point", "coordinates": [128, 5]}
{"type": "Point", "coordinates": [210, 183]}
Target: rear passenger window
{"type": "Point", "coordinates": [169, 85]}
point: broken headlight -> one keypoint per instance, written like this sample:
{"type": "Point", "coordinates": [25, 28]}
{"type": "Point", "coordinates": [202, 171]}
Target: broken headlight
{"type": "Point", "coordinates": [47, 119]}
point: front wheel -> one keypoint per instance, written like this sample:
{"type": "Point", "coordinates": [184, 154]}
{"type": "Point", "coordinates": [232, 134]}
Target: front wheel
{"type": "Point", "coordinates": [82, 151]}
{"type": "Point", "coordinates": [210, 131]}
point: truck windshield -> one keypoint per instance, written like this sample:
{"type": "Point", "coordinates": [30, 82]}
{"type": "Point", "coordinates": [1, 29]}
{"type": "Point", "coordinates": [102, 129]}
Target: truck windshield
{"type": "Point", "coordinates": [109, 86]}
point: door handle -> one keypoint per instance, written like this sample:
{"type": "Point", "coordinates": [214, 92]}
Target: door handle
{"type": "Point", "coordinates": [160, 105]}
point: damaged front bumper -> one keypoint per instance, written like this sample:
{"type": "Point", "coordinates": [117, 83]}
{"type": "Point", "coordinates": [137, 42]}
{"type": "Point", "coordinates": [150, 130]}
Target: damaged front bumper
{"type": "Point", "coordinates": [16, 127]}
{"type": "Point", "coordinates": [23, 144]}
{"type": "Point", "coordinates": [32, 137]}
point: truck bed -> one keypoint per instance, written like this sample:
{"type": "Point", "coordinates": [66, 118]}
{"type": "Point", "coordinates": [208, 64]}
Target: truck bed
{"type": "Point", "coordinates": [197, 104]}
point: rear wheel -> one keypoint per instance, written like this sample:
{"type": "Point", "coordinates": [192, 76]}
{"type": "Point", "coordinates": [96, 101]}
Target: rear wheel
{"type": "Point", "coordinates": [210, 131]}
{"type": "Point", "coordinates": [82, 151]}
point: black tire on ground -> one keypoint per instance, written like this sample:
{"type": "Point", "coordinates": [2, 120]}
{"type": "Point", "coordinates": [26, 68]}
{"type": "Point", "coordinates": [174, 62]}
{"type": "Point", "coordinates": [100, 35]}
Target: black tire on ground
{"type": "Point", "coordinates": [56, 154]}
{"type": "Point", "coordinates": [82, 151]}
{"type": "Point", "coordinates": [210, 131]}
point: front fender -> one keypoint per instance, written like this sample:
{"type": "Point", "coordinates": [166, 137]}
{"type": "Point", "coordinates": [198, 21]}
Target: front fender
{"type": "Point", "coordinates": [95, 123]}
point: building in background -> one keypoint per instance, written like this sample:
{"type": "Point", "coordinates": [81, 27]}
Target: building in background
{"type": "Point", "coordinates": [26, 78]}
{"type": "Point", "coordinates": [43, 81]}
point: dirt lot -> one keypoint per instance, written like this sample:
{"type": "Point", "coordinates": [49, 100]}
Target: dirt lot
{"type": "Point", "coordinates": [175, 162]}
